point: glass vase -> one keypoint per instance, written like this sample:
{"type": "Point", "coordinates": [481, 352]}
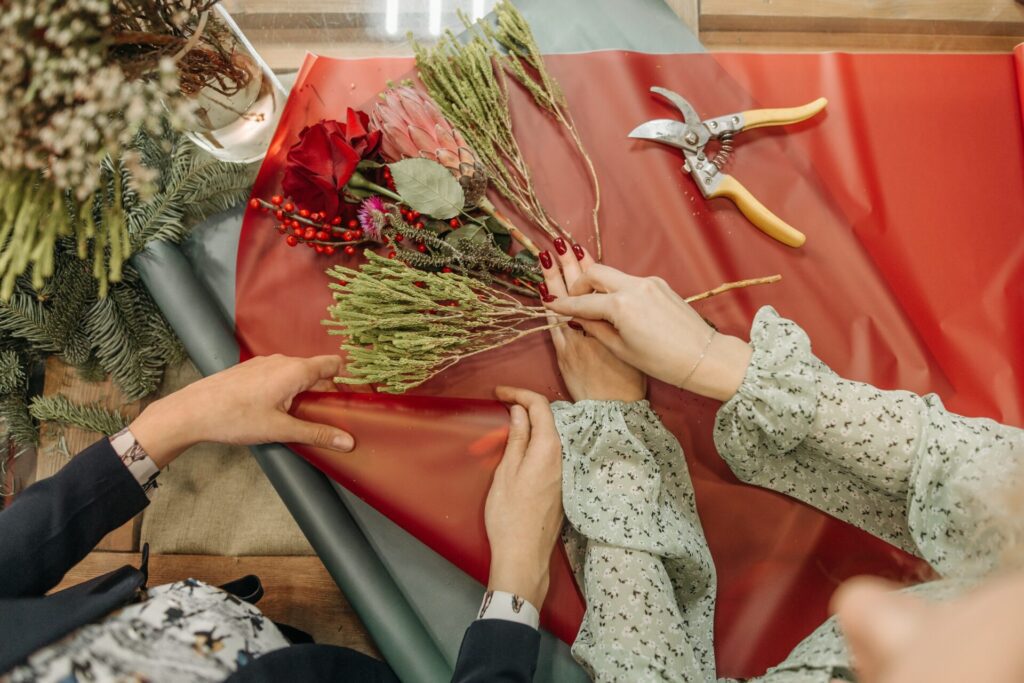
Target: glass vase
{"type": "Point", "coordinates": [238, 127]}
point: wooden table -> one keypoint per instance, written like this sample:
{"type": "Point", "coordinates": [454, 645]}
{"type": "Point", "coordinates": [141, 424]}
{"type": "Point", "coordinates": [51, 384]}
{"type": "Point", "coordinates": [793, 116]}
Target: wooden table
{"type": "Point", "coordinates": [283, 31]}
{"type": "Point", "coordinates": [299, 590]}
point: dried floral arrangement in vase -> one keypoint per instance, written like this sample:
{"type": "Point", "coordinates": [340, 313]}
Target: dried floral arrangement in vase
{"type": "Point", "coordinates": [90, 171]}
{"type": "Point", "coordinates": [81, 79]}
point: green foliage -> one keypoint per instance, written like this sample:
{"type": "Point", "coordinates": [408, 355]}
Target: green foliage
{"type": "Point", "coordinates": [62, 410]}
{"type": "Point", "coordinates": [402, 326]}
{"type": "Point", "coordinates": [108, 325]}
{"type": "Point", "coordinates": [193, 185]}
{"type": "Point", "coordinates": [428, 187]}
{"type": "Point", "coordinates": [17, 422]}
{"type": "Point", "coordinates": [472, 250]}
{"type": "Point", "coordinates": [14, 417]}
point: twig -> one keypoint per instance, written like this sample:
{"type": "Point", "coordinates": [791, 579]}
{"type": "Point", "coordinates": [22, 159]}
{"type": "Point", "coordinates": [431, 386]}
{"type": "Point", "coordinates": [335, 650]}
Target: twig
{"type": "Point", "coordinates": [728, 286]}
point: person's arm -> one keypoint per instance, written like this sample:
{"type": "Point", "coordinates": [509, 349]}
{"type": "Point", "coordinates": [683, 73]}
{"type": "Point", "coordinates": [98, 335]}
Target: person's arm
{"type": "Point", "coordinates": [523, 517]}
{"type": "Point", "coordinates": [885, 461]}
{"type": "Point", "coordinates": [57, 521]}
{"type": "Point", "coordinates": [649, 578]}
{"type": "Point", "coordinates": [893, 463]}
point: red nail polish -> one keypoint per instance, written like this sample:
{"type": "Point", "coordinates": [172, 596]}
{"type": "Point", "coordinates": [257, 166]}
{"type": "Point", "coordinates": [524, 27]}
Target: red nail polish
{"type": "Point", "coordinates": [543, 289]}
{"type": "Point", "coordinates": [578, 250]}
{"type": "Point", "coordinates": [548, 298]}
{"type": "Point", "coordinates": [560, 246]}
{"type": "Point", "coordinates": [575, 325]}
{"type": "Point", "coordinates": [545, 260]}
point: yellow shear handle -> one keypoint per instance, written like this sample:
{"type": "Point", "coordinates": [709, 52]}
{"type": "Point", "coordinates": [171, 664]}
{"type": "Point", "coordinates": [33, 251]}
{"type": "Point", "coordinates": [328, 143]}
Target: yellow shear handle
{"type": "Point", "coordinates": [755, 118]}
{"type": "Point", "coordinates": [757, 213]}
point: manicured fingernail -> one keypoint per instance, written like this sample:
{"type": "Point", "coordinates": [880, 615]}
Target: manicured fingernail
{"type": "Point", "coordinates": [548, 298]}
{"type": "Point", "coordinates": [545, 260]}
{"type": "Point", "coordinates": [575, 325]}
{"type": "Point", "coordinates": [578, 250]}
{"type": "Point", "coordinates": [560, 245]}
{"type": "Point", "coordinates": [342, 442]}
{"type": "Point", "coordinates": [543, 289]}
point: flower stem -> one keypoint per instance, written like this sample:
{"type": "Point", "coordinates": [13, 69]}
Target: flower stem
{"type": "Point", "coordinates": [487, 207]}
{"type": "Point", "coordinates": [720, 289]}
{"type": "Point", "coordinates": [359, 181]}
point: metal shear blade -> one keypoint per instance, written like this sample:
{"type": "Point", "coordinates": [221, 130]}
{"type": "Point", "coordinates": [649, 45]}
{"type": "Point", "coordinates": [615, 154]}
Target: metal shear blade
{"type": "Point", "coordinates": [665, 131]}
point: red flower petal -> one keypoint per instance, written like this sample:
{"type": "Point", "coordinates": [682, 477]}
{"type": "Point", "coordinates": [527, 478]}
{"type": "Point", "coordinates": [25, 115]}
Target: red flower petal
{"type": "Point", "coordinates": [355, 124]}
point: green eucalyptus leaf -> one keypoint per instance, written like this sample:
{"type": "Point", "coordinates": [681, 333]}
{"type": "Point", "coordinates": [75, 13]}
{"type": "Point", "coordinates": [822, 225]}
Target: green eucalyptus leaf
{"type": "Point", "coordinates": [471, 232]}
{"type": "Point", "coordinates": [428, 187]}
{"type": "Point", "coordinates": [526, 257]}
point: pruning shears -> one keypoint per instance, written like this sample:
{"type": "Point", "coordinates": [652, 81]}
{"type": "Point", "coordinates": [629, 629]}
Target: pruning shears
{"type": "Point", "coordinates": [692, 136]}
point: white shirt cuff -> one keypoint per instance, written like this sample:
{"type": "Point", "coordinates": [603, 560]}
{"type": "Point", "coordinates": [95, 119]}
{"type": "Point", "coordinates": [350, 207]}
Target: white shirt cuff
{"type": "Point", "coordinates": [510, 607]}
{"type": "Point", "coordinates": [135, 458]}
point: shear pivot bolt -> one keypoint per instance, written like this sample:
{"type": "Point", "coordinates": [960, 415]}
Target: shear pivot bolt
{"type": "Point", "coordinates": [735, 119]}
{"type": "Point", "coordinates": [691, 138]}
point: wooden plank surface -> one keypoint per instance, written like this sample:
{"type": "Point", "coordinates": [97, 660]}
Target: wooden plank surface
{"type": "Point", "coordinates": [299, 591]}
{"type": "Point", "coordinates": [795, 41]}
{"type": "Point", "coordinates": [58, 443]}
{"type": "Point", "coordinates": [967, 17]}
{"type": "Point", "coordinates": [282, 32]}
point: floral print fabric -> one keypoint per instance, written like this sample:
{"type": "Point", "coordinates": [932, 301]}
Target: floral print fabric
{"type": "Point", "coordinates": [890, 462]}
{"type": "Point", "coordinates": [184, 631]}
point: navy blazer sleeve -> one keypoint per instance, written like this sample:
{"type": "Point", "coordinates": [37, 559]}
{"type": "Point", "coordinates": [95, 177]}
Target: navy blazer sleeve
{"type": "Point", "coordinates": [497, 650]}
{"type": "Point", "coordinates": [56, 522]}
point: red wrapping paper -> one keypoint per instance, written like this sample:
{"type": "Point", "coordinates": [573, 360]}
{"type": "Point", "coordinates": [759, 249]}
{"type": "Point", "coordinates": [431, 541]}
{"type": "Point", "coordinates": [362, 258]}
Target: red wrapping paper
{"type": "Point", "coordinates": [909, 190]}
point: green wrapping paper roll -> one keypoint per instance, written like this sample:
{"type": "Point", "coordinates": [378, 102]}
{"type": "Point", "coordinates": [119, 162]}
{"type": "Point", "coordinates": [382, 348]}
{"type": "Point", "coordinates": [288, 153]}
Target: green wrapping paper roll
{"type": "Point", "coordinates": [307, 493]}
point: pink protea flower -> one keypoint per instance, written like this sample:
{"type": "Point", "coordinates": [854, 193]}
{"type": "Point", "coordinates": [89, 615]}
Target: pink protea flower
{"type": "Point", "coordinates": [412, 126]}
{"type": "Point", "coordinates": [371, 216]}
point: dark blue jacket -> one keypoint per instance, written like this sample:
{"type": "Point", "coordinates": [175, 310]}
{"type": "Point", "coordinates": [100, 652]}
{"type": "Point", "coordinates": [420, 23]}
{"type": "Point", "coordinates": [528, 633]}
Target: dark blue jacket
{"type": "Point", "coordinates": [56, 522]}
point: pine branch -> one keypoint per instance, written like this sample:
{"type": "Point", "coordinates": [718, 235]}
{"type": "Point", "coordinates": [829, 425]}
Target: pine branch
{"type": "Point", "coordinates": [12, 375]}
{"type": "Point", "coordinates": [91, 417]}
{"type": "Point", "coordinates": [193, 186]}
{"type": "Point", "coordinates": [17, 421]}
{"type": "Point", "coordinates": [121, 348]}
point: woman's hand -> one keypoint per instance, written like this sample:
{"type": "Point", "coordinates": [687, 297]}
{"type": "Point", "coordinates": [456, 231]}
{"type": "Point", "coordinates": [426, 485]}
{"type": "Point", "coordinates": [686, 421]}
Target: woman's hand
{"type": "Point", "coordinates": [523, 514]}
{"type": "Point", "coordinates": [589, 369]}
{"type": "Point", "coordinates": [646, 324]}
{"type": "Point", "coordinates": [247, 404]}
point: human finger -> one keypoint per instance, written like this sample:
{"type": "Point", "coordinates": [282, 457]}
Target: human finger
{"type": "Point", "coordinates": [570, 267]}
{"type": "Point", "coordinates": [322, 367]}
{"type": "Point", "coordinates": [583, 256]}
{"type": "Point", "coordinates": [606, 334]}
{"type": "Point", "coordinates": [289, 429]}
{"type": "Point", "coordinates": [537, 407]}
{"type": "Point", "coordinates": [601, 278]}
{"type": "Point", "coordinates": [518, 436]}
{"type": "Point", "coordinates": [589, 306]}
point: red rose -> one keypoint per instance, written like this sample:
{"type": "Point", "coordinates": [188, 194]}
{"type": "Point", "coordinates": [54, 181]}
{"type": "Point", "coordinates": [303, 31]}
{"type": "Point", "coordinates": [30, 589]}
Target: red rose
{"type": "Point", "coordinates": [320, 164]}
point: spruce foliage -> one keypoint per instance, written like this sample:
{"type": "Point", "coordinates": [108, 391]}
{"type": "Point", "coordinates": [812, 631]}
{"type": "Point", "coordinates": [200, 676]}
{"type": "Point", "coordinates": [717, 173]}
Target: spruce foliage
{"type": "Point", "coordinates": [108, 326]}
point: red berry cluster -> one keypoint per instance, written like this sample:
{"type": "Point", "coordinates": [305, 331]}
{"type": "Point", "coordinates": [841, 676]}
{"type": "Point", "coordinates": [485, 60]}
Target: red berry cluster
{"type": "Point", "coordinates": [301, 226]}
{"type": "Point", "coordinates": [388, 180]}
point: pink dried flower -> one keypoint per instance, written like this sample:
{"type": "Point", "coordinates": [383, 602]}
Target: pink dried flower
{"type": "Point", "coordinates": [372, 213]}
{"type": "Point", "coordinates": [413, 126]}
